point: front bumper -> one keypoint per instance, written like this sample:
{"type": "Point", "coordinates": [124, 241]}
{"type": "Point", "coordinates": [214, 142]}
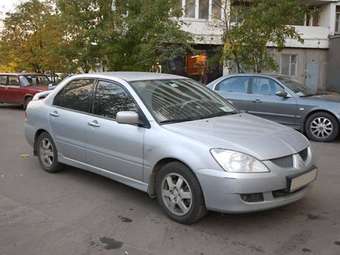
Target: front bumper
{"type": "Point", "coordinates": [226, 192]}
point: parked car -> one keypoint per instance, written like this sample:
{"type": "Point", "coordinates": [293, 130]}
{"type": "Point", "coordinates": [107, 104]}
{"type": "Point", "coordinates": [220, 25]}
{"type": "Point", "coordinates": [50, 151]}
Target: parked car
{"type": "Point", "coordinates": [19, 88]}
{"type": "Point", "coordinates": [173, 138]}
{"type": "Point", "coordinates": [281, 99]}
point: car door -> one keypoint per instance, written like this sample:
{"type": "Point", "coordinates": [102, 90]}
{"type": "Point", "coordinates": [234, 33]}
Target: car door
{"type": "Point", "coordinates": [69, 117]}
{"type": "Point", "coordinates": [114, 147]}
{"type": "Point", "coordinates": [265, 103]}
{"type": "Point", "coordinates": [3, 88]}
{"type": "Point", "coordinates": [14, 93]}
{"type": "Point", "coordinates": [235, 89]}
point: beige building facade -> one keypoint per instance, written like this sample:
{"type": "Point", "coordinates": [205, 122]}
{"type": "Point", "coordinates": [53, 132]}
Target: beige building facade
{"type": "Point", "coordinates": [306, 62]}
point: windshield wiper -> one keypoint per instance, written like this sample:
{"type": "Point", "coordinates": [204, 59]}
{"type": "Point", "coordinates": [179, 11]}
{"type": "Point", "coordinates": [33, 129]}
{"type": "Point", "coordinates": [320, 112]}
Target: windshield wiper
{"type": "Point", "coordinates": [219, 114]}
{"type": "Point", "coordinates": [176, 121]}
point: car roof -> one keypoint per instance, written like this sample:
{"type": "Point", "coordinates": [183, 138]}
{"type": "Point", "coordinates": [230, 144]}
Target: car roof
{"type": "Point", "coordinates": [273, 75]}
{"type": "Point", "coordinates": [23, 74]}
{"type": "Point", "coordinates": [135, 76]}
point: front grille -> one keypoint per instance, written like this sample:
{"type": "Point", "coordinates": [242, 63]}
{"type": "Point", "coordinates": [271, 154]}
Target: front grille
{"type": "Point", "coordinates": [284, 162]}
{"type": "Point", "coordinates": [304, 154]}
{"type": "Point", "coordinates": [288, 161]}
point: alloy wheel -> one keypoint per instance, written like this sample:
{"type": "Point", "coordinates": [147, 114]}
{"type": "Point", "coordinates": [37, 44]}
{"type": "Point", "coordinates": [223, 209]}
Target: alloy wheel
{"type": "Point", "coordinates": [46, 152]}
{"type": "Point", "coordinates": [176, 194]}
{"type": "Point", "coordinates": [321, 127]}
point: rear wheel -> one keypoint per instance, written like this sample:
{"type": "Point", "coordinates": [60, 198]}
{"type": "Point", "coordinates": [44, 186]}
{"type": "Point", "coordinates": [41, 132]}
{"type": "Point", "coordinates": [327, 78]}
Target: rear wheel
{"type": "Point", "coordinates": [322, 127]}
{"type": "Point", "coordinates": [179, 193]}
{"type": "Point", "coordinates": [47, 153]}
{"type": "Point", "coordinates": [26, 102]}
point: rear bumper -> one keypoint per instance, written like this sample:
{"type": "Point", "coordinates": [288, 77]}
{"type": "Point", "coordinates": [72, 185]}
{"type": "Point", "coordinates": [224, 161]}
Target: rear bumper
{"type": "Point", "coordinates": [225, 194]}
{"type": "Point", "coordinates": [29, 133]}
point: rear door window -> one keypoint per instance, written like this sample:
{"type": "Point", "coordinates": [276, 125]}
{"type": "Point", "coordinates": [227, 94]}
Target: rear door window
{"type": "Point", "coordinates": [77, 95]}
{"type": "Point", "coordinates": [234, 85]}
{"type": "Point", "coordinates": [13, 80]}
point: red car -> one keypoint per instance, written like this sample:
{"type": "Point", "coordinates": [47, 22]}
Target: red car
{"type": "Point", "coordinates": [19, 88]}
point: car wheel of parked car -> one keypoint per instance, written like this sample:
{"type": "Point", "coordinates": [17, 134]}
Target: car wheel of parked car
{"type": "Point", "coordinates": [322, 127]}
{"type": "Point", "coordinates": [179, 193]}
{"type": "Point", "coordinates": [27, 100]}
{"type": "Point", "coordinates": [47, 153]}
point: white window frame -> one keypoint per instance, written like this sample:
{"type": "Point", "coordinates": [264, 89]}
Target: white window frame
{"type": "Point", "coordinates": [337, 20]}
{"type": "Point", "coordinates": [224, 2]}
{"type": "Point", "coordinates": [290, 64]}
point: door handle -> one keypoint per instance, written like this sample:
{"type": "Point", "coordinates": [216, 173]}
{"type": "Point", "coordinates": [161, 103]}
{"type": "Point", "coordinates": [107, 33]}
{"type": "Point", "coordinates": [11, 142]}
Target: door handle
{"type": "Point", "coordinates": [54, 114]}
{"type": "Point", "coordinates": [257, 101]}
{"type": "Point", "coordinates": [94, 123]}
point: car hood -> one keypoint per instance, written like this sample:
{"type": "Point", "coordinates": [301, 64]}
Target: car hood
{"type": "Point", "coordinates": [245, 133]}
{"type": "Point", "coordinates": [327, 97]}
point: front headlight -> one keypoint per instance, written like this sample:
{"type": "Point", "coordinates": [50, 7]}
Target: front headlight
{"type": "Point", "coordinates": [236, 162]}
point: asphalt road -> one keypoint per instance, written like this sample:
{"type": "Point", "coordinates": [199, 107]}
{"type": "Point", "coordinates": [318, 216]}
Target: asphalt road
{"type": "Point", "coordinates": [76, 212]}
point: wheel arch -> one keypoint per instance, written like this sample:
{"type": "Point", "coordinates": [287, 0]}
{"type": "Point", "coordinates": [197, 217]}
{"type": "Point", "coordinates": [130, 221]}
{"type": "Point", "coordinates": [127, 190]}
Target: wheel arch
{"type": "Point", "coordinates": [27, 96]}
{"type": "Point", "coordinates": [37, 134]}
{"type": "Point", "coordinates": [317, 111]}
{"type": "Point", "coordinates": [158, 166]}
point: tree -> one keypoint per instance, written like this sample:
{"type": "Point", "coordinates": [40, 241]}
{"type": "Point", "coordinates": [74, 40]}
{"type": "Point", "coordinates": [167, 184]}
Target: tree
{"type": "Point", "coordinates": [32, 38]}
{"type": "Point", "coordinates": [122, 35]}
{"type": "Point", "coordinates": [250, 26]}
{"type": "Point", "coordinates": [63, 35]}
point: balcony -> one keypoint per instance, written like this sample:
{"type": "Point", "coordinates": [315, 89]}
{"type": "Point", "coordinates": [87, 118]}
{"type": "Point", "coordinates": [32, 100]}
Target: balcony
{"type": "Point", "coordinates": [204, 31]}
{"type": "Point", "coordinates": [314, 37]}
{"type": "Point", "coordinates": [210, 32]}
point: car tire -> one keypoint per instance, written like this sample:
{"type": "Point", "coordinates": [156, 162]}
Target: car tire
{"type": "Point", "coordinates": [48, 154]}
{"type": "Point", "coordinates": [26, 102]}
{"type": "Point", "coordinates": [182, 200]}
{"type": "Point", "coordinates": [322, 127]}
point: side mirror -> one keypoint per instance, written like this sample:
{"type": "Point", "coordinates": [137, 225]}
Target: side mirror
{"type": "Point", "coordinates": [282, 93]}
{"type": "Point", "coordinates": [128, 117]}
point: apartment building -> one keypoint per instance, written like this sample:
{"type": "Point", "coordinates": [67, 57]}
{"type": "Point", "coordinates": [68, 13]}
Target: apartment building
{"type": "Point", "coordinates": [308, 62]}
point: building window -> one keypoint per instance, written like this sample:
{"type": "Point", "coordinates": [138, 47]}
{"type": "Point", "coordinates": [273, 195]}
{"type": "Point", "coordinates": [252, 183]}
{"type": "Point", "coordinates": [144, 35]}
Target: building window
{"type": "Point", "coordinates": [190, 8]}
{"type": "Point", "coordinates": [312, 17]}
{"type": "Point", "coordinates": [337, 25]}
{"type": "Point", "coordinates": [288, 65]}
{"type": "Point", "coordinates": [202, 9]}
{"type": "Point", "coordinates": [216, 9]}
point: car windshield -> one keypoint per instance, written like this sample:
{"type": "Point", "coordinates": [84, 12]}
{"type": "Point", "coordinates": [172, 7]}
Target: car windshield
{"type": "Point", "coordinates": [296, 87]}
{"type": "Point", "coordinates": [178, 100]}
{"type": "Point", "coordinates": [34, 80]}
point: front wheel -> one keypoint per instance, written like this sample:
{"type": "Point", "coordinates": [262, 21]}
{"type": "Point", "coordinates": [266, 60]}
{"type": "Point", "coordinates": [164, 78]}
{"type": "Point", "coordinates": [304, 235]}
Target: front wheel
{"type": "Point", "coordinates": [47, 153]}
{"type": "Point", "coordinates": [322, 127]}
{"type": "Point", "coordinates": [179, 193]}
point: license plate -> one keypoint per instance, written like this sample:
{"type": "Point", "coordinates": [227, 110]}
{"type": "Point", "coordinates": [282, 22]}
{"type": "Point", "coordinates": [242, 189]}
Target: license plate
{"type": "Point", "coordinates": [302, 180]}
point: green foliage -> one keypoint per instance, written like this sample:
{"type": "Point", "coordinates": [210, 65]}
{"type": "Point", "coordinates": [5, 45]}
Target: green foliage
{"type": "Point", "coordinates": [31, 39]}
{"type": "Point", "coordinates": [260, 23]}
{"type": "Point", "coordinates": [63, 35]}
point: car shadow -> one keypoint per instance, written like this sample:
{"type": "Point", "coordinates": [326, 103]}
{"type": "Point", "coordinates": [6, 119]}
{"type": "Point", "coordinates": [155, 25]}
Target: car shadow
{"type": "Point", "coordinates": [213, 220]}
{"type": "Point", "coordinates": [108, 185]}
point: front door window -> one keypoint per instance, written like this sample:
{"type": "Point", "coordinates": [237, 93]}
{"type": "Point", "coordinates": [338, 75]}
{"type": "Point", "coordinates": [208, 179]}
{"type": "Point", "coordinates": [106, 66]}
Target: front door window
{"type": "Point", "coordinates": [110, 99]}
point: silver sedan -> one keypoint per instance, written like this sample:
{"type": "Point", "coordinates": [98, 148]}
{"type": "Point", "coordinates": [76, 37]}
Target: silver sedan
{"type": "Point", "coordinates": [172, 138]}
